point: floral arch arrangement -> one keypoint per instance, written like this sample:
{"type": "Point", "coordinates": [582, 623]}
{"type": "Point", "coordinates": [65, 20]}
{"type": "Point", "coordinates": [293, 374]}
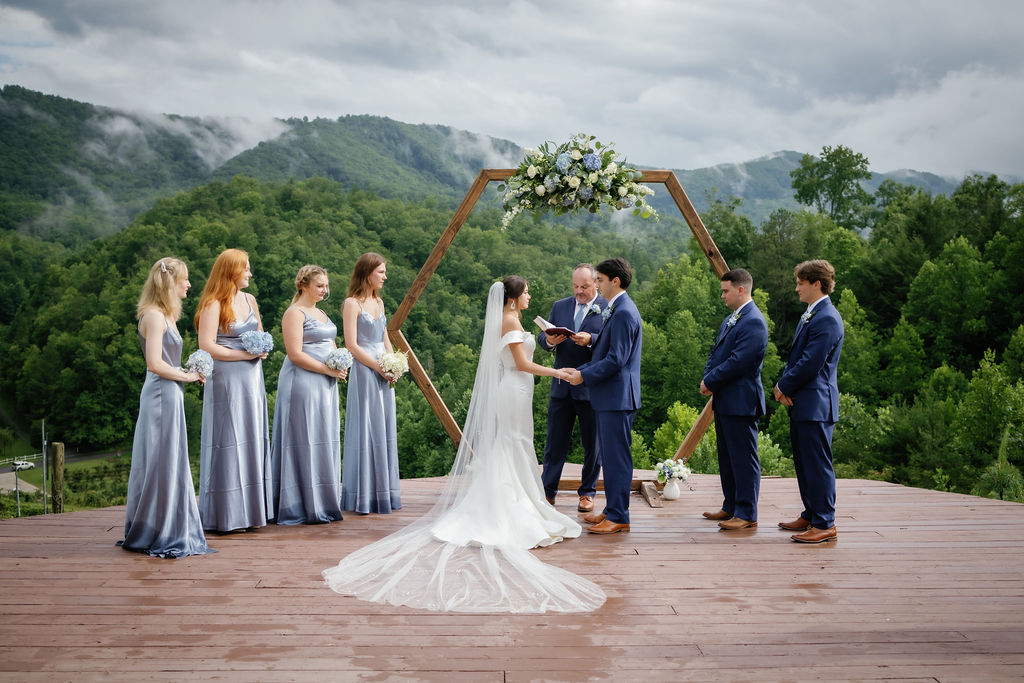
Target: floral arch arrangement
{"type": "Point", "coordinates": [578, 174]}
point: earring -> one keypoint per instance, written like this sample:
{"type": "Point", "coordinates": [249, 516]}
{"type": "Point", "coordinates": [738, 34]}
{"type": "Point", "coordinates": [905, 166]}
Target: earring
{"type": "Point", "coordinates": [513, 305]}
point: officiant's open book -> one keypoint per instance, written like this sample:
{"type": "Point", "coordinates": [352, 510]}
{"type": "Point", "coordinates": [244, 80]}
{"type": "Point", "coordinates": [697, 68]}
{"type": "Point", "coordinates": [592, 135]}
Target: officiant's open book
{"type": "Point", "coordinates": [552, 329]}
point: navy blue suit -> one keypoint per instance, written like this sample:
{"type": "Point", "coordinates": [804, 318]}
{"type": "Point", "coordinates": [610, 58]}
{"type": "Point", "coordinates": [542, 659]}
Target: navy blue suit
{"type": "Point", "coordinates": [809, 378]}
{"type": "Point", "coordinates": [733, 375]}
{"type": "Point", "coordinates": [613, 376]}
{"type": "Point", "coordinates": [568, 403]}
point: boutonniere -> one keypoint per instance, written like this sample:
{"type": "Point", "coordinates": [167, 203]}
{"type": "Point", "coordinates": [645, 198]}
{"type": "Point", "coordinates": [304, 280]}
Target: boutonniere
{"type": "Point", "coordinates": [607, 313]}
{"type": "Point", "coordinates": [806, 317]}
{"type": "Point", "coordinates": [733, 318]}
{"type": "Point", "coordinates": [593, 308]}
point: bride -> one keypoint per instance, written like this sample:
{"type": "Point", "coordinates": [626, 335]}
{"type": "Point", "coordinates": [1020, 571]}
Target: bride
{"type": "Point", "coordinates": [470, 553]}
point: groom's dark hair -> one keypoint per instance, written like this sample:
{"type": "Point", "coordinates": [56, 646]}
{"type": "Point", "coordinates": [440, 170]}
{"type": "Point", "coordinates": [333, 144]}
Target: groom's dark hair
{"type": "Point", "coordinates": [739, 277]}
{"type": "Point", "coordinates": [616, 268]}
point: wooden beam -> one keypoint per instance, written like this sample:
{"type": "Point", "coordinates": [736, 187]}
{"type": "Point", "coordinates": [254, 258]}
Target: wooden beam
{"type": "Point", "coordinates": [695, 434]}
{"type": "Point", "coordinates": [430, 393]}
{"type": "Point", "coordinates": [691, 216]}
{"type": "Point", "coordinates": [461, 214]}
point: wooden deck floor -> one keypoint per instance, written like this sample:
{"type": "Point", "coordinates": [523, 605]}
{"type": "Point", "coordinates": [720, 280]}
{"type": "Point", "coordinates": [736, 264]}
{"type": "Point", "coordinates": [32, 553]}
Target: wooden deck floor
{"type": "Point", "coordinates": [921, 586]}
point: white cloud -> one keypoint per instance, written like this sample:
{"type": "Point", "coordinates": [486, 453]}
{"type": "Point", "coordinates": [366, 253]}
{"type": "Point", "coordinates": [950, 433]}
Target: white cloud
{"type": "Point", "coordinates": [923, 84]}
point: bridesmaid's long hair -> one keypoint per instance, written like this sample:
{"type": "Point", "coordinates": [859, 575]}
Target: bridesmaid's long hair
{"type": "Point", "coordinates": [158, 292]}
{"type": "Point", "coordinates": [305, 279]}
{"type": "Point", "coordinates": [221, 287]}
{"type": "Point", "coordinates": [359, 287]}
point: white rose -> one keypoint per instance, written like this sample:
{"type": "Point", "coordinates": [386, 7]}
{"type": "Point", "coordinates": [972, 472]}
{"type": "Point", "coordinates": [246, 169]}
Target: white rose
{"type": "Point", "coordinates": [574, 182]}
{"type": "Point", "coordinates": [531, 171]}
{"type": "Point", "coordinates": [577, 155]}
{"type": "Point", "coordinates": [532, 151]}
{"type": "Point", "coordinates": [592, 178]}
{"type": "Point", "coordinates": [623, 191]}
{"type": "Point", "coordinates": [611, 168]}
{"type": "Point", "coordinates": [540, 190]}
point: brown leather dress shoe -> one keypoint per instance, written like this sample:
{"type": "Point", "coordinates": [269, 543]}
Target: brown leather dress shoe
{"type": "Point", "coordinates": [736, 523]}
{"type": "Point", "coordinates": [717, 516]}
{"type": "Point", "coordinates": [816, 535]}
{"type": "Point", "coordinates": [586, 504]}
{"type": "Point", "coordinates": [594, 518]}
{"type": "Point", "coordinates": [607, 526]}
{"type": "Point", "coordinates": [799, 524]}
{"type": "Point", "coordinates": [551, 501]}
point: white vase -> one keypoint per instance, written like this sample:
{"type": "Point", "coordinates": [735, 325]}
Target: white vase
{"type": "Point", "coordinates": [671, 490]}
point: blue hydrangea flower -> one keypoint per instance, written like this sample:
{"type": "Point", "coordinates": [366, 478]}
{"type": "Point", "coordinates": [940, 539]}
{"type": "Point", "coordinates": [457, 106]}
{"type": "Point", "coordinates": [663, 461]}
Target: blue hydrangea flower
{"type": "Point", "coordinates": [568, 201]}
{"type": "Point", "coordinates": [591, 162]}
{"type": "Point", "coordinates": [550, 183]}
{"type": "Point", "coordinates": [586, 192]}
{"type": "Point", "coordinates": [562, 162]}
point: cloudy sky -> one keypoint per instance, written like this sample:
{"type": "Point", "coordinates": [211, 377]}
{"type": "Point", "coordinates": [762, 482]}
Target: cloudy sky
{"type": "Point", "coordinates": [932, 85]}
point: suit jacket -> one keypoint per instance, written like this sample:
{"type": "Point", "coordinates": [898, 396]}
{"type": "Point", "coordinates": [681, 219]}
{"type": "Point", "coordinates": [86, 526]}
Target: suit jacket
{"type": "Point", "coordinates": [733, 370]}
{"type": "Point", "coordinates": [613, 374]}
{"type": "Point", "coordinates": [810, 375]}
{"type": "Point", "coordinates": [568, 354]}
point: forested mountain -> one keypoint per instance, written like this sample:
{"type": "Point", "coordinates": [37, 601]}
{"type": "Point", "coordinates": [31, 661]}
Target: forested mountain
{"type": "Point", "coordinates": [71, 171]}
{"type": "Point", "coordinates": [932, 369]}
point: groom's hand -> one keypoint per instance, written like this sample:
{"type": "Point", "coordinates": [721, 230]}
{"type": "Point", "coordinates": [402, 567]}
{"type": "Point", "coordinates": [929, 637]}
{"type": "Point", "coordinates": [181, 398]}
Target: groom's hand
{"type": "Point", "coordinates": [704, 390]}
{"type": "Point", "coordinates": [575, 378]}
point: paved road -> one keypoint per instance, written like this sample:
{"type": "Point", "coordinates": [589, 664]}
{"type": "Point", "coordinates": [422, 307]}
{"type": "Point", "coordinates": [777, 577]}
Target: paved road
{"type": "Point", "coordinates": [7, 483]}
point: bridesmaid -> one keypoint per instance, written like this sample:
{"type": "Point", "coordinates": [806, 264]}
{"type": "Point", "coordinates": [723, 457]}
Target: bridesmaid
{"type": "Point", "coordinates": [234, 461]}
{"type": "Point", "coordinates": [369, 477]}
{"type": "Point", "coordinates": [161, 516]}
{"type": "Point", "coordinates": [305, 453]}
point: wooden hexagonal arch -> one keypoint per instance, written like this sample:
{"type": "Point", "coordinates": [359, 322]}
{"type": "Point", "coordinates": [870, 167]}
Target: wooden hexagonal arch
{"type": "Point", "coordinates": [437, 404]}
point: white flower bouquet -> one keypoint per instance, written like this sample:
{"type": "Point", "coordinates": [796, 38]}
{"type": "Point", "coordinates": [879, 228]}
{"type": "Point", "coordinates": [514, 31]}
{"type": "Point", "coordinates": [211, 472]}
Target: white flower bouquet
{"type": "Point", "coordinates": [671, 469]}
{"type": "Point", "coordinates": [394, 364]}
{"type": "Point", "coordinates": [339, 359]}
{"type": "Point", "coordinates": [579, 174]}
{"type": "Point", "coordinates": [200, 362]}
{"type": "Point", "coordinates": [257, 342]}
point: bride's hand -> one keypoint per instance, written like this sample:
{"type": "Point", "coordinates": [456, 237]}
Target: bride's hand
{"type": "Point", "coordinates": [564, 374]}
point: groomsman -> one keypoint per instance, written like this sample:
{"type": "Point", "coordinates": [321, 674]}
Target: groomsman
{"type": "Point", "coordinates": [567, 404]}
{"type": "Point", "coordinates": [732, 377]}
{"type": "Point", "coordinates": [613, 376]}
{"type": "Point", "coordinates": [808, 386]}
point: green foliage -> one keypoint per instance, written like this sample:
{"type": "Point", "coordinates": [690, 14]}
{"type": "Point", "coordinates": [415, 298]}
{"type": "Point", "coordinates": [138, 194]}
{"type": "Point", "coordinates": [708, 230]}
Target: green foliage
{"type": "Point", "coordinates": [832, 184]}
{"type": "Point", "coordinates": [671, 433]}
{"type": "Point", "coordinates": [1001, 479]}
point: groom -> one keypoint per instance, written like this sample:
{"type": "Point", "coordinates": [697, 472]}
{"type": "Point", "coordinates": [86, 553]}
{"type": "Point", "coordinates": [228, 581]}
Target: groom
{"type": "Point", "coordinates": [613, 376]}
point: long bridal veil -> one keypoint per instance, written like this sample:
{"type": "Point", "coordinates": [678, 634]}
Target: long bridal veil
{"type": "Point", "coordinates": [416, 567]}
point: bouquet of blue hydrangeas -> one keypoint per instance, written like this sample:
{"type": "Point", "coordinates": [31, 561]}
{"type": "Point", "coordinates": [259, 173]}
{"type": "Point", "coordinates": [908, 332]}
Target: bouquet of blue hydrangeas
{"type": "Point", "coordinates": [200, 362]}
{"type": "Point", "coordinates": [339, 359]}
{"type": "Point", "coordinates": [257, 342]}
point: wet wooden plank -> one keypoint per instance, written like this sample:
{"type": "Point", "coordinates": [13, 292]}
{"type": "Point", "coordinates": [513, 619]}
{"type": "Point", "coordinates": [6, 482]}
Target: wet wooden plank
{"type": "Point", "coordinates": [922, 585]}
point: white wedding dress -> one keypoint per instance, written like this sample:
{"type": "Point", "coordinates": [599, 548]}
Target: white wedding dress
{"type": "Point", "coordinates": [471, 552]}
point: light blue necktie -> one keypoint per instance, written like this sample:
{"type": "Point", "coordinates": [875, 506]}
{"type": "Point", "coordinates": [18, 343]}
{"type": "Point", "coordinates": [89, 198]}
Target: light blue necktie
{"type": "Point", "coordinates": [580, 312]}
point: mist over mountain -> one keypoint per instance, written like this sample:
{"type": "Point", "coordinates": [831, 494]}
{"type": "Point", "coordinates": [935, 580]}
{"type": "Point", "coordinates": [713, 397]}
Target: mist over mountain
{"type": "Point", "coordinates": [72, 171]}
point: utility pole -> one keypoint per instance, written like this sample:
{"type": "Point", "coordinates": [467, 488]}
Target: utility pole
{"type": "Point", "coordinates": [42, 429]}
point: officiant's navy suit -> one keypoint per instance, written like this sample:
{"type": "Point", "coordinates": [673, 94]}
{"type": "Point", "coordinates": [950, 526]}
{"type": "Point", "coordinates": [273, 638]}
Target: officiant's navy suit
{"type": "Point", "coordinates": [733, 375]}
{"type": "Point", "coordinates": [568, 403]}
{"type": "Point", "coordinates": [810, 379]}
{"type": "Point", "coordinates": [613, 376]}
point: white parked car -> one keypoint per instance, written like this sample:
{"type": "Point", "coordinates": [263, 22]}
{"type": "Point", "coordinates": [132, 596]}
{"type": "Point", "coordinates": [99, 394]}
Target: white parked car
{"type": "Point", "coordinates": [22, 465]}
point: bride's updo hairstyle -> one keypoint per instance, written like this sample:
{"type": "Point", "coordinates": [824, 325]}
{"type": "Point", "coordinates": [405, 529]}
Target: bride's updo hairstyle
{"type": "Point", "coordinates": [514, 287]}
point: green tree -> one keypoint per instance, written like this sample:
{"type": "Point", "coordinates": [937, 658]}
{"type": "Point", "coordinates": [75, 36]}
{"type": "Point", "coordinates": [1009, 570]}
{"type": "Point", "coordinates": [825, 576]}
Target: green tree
{"type": "Point", "coordinates": [949, 304]}
{"type": "Point", "coordinates": [1001, 479]}
{"type": "Point", "coordinates": [832, 183]}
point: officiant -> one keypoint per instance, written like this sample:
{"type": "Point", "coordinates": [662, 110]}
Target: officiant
{"type": "Point", "coordinates": [569, 404]}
